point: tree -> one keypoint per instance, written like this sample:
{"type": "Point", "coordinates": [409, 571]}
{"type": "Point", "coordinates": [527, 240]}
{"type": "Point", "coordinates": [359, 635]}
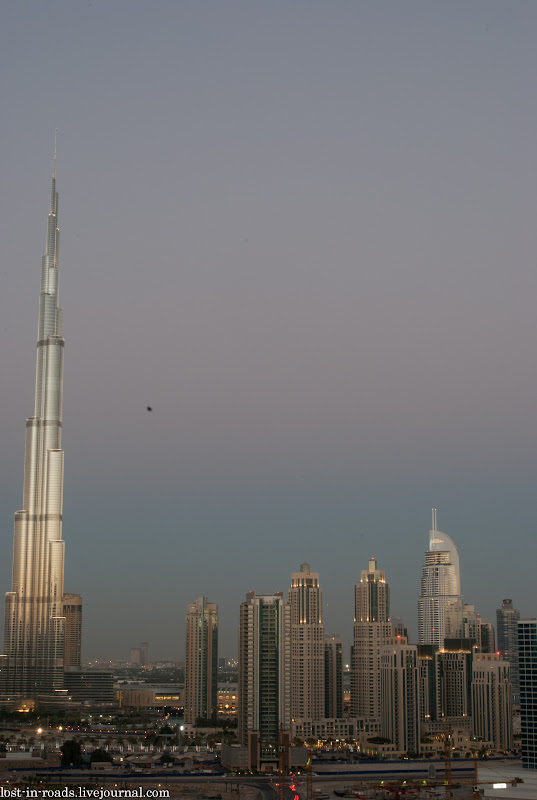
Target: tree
{"type": "Point", "coordinates": [71, 753]}
{"type": "Point", "coordinates": [101, 755]}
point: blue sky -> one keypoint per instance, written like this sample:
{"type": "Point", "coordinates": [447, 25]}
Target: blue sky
{"type": "Point", "coordinates": [305, 234]}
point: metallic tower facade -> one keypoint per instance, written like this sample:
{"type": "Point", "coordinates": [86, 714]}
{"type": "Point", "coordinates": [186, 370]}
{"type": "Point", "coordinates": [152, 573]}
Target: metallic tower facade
{"type": "Point", "coordinates": [34, 621]}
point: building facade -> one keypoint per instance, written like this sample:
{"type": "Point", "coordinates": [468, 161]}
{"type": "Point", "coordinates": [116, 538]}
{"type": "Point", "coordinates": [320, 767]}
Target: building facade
{"type": "Point", "coordinates": [492, 709]}
{"type": "Point", "coordinates": [527, 663]}
{"type": "Point", "coordinates": [201, 660]}
{"type": "Point", "coordinates": [34, 622]}
{"type": "Point", "coordinates": [264, 668]}
{"type": "Point", "coordinates": [307, 645]}
{"type": "Point", "coordinates": [440, 586]}
{"type": "Point", "coordinates": [372, 629]}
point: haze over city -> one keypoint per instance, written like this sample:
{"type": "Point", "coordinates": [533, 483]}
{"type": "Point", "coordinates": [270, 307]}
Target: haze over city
{"type": "Point", "coordinates": [304, 234]}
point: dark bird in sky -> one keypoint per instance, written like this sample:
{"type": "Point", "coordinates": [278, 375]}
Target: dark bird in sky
{"type": "Point", "coordinates": [150, 408]}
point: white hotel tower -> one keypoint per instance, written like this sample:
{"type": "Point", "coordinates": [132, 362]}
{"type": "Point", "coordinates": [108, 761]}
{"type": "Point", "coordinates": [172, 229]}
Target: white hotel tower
{"type": "Point", "coordinates": [440, 586]}
{"type": "Point", "coordinates": [34, 622]}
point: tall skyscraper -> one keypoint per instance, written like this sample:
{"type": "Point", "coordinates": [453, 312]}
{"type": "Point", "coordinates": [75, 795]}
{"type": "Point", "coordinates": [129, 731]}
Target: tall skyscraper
{"type": "Point", "coordinates": [372, 628]}
{"type": "Point", "coordinates": [264, 668]}
{"type": "Point", "coordinates": [527, 665]}
{"type": "Point", "coordinates": [34, 621]}
{"type": "Point", "coordinates": [72, 611]}
{"type": "Point", "coordinates": [201, 660]}
{"type": "Point", "coordinates": [440, 585]}
{"type": "Point", "coordinates": [307, 645]}
{"type": "Point", "coordinates": [333, 677]}
{"type": "Point", "coordinates": [507, 629]}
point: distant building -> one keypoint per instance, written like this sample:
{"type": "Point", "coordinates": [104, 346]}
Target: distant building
{"type": "Point", "coordinates": [145, 696]}
{"type": "Point", "coordinates": [372, 629]}
{"type": "Point", "coordinates": [307, 645]}
{"type": "Point", "coordinates": [399, 695]}
{"type": "Point", "coordinates": [91, 688]}
{"type": "Point", "coordinates": [333, 677]}
{"type": "Point", "coordinates": [463, 622]}
{"type": "Point", "coordinates": [507, 629]}
{"type": "Point", "coordinates": [135, 659]}
{"type": "Point", "coordinates": [144, 654]}
{"type": "Point", "coordinates": [72, 611]}
{"type": "Point", "coordinates": [440, 586]}
{"type": "Point", "coordinates": [201, 659]}
{"type": "Point", "coordinates": [227, 699]}
{"type": "Point", "coordinates": [527, 659]}
{"type": "Point", "coordinates": [264, 670]}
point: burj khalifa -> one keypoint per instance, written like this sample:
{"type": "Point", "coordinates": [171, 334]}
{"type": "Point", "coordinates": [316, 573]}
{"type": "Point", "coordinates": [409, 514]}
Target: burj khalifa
{"type": "Point", "coordinates": [34, 624]}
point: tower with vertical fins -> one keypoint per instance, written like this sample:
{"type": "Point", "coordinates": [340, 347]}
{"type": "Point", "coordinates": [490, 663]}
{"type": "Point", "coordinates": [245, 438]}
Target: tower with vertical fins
{"type": "Point", "coordinates": [34, 622]}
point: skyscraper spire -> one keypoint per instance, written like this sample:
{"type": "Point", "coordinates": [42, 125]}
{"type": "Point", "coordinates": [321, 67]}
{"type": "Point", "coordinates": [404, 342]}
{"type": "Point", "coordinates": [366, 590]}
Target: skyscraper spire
{"type": "Point", "coordinates": [34, 625]}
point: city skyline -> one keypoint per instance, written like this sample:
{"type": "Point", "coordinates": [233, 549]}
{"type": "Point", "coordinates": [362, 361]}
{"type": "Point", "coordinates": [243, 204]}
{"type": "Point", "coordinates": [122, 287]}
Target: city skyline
{"type": "Point", "coordinates": [304, 236]}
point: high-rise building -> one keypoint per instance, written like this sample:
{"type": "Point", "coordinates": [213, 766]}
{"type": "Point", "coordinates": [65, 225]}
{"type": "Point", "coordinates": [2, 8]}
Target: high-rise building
{"type": "Point", "coordinates": [72, 611]}
{"type": "Point", "coordinates": [372, 629]}
{"type": "Point", "coordinates": [201, 660]}
{"type": "Point", "coordinates": [440, 585]}
{"type": "Point", "coordinates": [492, 709]}
{"type": "Point", "coordinates": [34, 621]}
{"type": "Point", "coordinates": [264, 669]}
{"type": "Point", "coordinates": [144, 654]}
{"type": "Point", "coordinates": [333, 677]}
{"type": "Point", "coordinates": [527, 665]}
{"type": "Point", "coordinates": [307, 645]}
{"type": "Point", "coordinates": [399, 694]}
{"type": "Point", "coordinates": [507, 629]}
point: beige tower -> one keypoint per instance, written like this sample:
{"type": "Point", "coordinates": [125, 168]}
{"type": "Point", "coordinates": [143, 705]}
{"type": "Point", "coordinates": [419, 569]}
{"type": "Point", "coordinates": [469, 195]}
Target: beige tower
{"type": "Point", "coordinates": [372, 628]}
{"type": "Point", "coordinates": [201, 660]}
{"type": "Point", "coordinates": [307, 645]}
{"type": "Point", "coordinates": [399, 694]}
{"type": "Point", "coordinates": [492, 709]}
{"type": "Point", "coordinates": [72, 611]}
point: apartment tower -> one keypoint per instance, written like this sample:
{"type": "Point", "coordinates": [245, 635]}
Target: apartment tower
{"type": "Point", "coordinates": [264, 668]}
{"type": "Point", "coordinates": [372, 629]}
{"type": "Point", "coordinates": [307, 645]}
{"type": "Point", "coordinates": [201, 660]}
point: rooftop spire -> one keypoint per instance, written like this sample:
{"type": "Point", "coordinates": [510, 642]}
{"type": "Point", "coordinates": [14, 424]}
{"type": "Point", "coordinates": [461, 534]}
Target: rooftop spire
{"type": "Point", "coordinates": [55, 137]}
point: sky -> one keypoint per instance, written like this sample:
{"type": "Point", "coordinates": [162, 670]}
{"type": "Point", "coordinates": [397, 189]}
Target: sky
{"type": "Point", "coordinates": [305, 234]}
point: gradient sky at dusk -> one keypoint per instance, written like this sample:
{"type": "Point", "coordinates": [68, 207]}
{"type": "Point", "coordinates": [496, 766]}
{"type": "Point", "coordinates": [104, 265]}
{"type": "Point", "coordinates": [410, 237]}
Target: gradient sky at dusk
{"type": "Point", "coordinates": [305, 233]}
